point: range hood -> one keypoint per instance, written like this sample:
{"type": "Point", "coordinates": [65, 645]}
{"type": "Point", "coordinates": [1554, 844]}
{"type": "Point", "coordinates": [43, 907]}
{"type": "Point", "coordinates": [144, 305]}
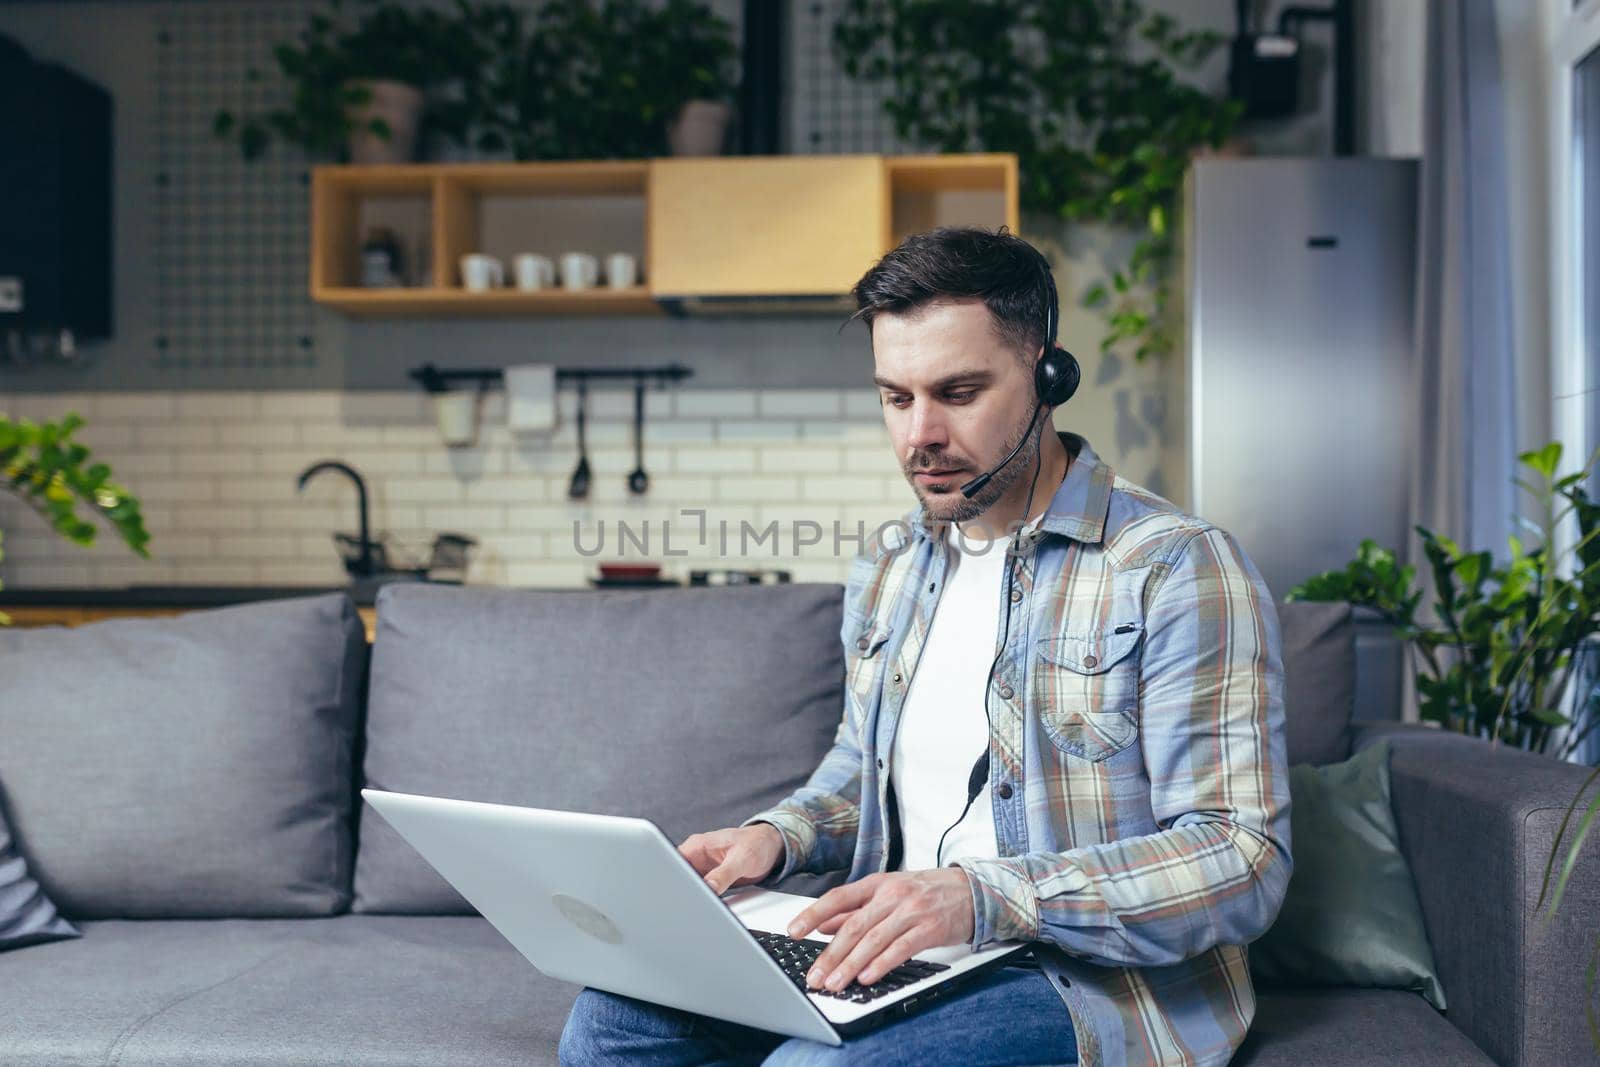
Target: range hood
{"type": "Point", "coordinates": [764, 235]}
{"type": "Point", "coordinates": [753, 305]}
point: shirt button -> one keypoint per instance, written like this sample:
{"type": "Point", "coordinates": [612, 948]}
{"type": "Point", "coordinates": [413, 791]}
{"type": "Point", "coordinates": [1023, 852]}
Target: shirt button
{"type": "Point", "coordinates": [1005, 790]}
{"type": "Point", "coordinates": [1090, 661]}
{"type": "Point", "coordinates": [930, 586]}
{"type": "Point", "coordinates": [897, 678]}
{"type": "Point", "coordinates": [862, 644]}
{"type": "Point", "coordinates": [880, 764]}
{"type": "Point", "coordinates": [1016, 596]}
{"type": "Point", "coordinates": [1066, 983]}
{"type": "Point", "coordinates": [1005, 692]}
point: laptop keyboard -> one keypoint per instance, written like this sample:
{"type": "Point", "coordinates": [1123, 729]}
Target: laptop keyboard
{"type": "Point", "coordinates": [796, 957]}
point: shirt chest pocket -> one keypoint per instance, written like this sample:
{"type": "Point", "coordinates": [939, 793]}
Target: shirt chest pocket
{"type": "Point", "coordinates": [863, 661]}
{"type": "Point", "coordinates": [1086, 690]}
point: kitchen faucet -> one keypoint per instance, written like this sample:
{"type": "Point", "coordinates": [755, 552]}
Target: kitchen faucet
{"type": "Point", "coordinates": [364, 566]}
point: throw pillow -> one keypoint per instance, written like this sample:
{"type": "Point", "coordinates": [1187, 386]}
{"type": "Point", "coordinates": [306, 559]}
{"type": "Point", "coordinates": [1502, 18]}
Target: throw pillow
{"type": "Point", "coordinates": [1351, 915]}
{"type": "Point", "coordinates": [27, 916]}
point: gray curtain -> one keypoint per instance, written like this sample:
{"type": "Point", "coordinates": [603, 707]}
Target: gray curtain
{"type": "Point", "coordinates": [1464, 457]}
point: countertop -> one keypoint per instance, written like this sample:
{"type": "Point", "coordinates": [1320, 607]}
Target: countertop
{"type": "Point", "coordinates": [168, 596]}
{"type": "Point", "coordinates": [209, 596]}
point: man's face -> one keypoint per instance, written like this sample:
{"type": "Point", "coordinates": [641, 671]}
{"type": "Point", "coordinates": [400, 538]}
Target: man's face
{"type": "Point", "coordinates": [956, 401]}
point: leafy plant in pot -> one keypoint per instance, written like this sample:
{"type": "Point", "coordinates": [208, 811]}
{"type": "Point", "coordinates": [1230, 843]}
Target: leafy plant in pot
{"type": "Point", "coordinates": [1512, 638]}
{"type": "Point", "coordinates": [613, 80]}
{"type": "Point", "coordinates": [359, 91]}
{"type": "Point", "coordinates": [1087, 94]}
{"type": "Point", "coordinates": [41, 464]}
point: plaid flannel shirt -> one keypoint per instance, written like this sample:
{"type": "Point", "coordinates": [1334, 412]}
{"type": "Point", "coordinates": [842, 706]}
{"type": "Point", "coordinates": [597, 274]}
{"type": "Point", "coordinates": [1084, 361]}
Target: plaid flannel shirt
{"type": "Point", "coordinates": [1138, 768]}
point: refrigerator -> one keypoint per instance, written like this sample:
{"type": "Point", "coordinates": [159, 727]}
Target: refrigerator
{"type": "Point", "coordinates": [1296, 374]}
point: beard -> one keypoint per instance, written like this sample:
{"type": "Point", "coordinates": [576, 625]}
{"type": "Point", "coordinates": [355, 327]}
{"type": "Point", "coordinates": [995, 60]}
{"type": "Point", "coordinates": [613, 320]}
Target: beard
{"type": "Point", "coordinates": [943, 500]}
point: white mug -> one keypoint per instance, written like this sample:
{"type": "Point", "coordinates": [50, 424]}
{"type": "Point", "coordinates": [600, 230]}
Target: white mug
{"type": "Point", "coordinates": [480, 272]}
{"type": "Point", "coordinates": [622, 270]}
{"type": "Point", "coordinates": [534, 271]}
{"type": "Point", "coordinates": [579, 270]}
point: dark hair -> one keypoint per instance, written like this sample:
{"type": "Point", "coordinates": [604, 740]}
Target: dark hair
{"type": "Point", "coordinates": [961, 261]}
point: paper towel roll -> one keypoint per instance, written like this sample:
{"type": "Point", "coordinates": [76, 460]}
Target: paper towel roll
{"type": "Point", "coordinates": [531, 398]}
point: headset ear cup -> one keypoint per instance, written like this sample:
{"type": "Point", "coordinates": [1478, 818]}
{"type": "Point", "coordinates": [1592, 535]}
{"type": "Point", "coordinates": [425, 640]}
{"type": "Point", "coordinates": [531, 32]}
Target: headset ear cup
{"type": "Point", "coordinates": [1056, 377]}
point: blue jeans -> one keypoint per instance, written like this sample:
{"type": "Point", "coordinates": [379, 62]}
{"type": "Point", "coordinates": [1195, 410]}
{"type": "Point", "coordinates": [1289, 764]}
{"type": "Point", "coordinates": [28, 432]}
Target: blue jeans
{"type": "Point", "coordinates": [1010, 1015]}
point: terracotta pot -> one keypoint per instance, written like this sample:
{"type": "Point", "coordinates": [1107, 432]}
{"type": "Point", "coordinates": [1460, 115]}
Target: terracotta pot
{"type": "Point", "coordinates": [399, 105]}
{"type": "Point", "coordinates": [699, 128]}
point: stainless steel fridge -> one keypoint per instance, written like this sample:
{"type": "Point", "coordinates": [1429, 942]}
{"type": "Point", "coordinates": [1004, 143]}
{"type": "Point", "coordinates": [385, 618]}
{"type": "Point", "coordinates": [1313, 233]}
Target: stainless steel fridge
{"type": "Point", "coordinates": [1296, 372]}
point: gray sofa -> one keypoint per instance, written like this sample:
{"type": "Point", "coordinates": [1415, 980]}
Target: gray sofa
{"type": "Point", "coordinates": [186, 790]}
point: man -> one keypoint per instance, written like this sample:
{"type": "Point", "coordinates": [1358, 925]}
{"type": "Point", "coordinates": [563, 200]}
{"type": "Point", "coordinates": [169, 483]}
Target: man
{"type": "Point", "coordinates": [1114, 668]}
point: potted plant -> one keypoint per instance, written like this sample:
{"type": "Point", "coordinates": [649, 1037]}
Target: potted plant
{"type": "Point", "coordinates": [606, 80]}
{"type": "Point", "coordinates": [44, 466]}
{"type": "Point", "coordinates": [1512, 639]}
{"type": "Point", "coordinates": [1087, 94]}
{"type": "Point", "coordinates": [359, 91]}
{"type": "Point", "coordinates": [696, 53]}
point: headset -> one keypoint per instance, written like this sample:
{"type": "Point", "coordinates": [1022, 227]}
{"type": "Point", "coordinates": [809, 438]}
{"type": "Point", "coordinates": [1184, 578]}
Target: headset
{"type": "Point", "coordinates": [1055, 380]}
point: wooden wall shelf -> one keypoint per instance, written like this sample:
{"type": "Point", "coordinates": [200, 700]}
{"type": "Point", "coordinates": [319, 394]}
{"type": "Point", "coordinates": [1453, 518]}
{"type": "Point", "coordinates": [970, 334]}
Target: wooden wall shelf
{"type": "Point", "coordinates": [706, 226]}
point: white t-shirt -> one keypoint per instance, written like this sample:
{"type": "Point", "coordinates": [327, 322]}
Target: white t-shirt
{"type": "Point", "coordinates": [942, 729]}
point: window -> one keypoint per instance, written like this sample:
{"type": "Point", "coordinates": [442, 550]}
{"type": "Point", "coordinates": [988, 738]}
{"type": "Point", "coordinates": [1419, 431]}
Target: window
{"type": "Point", "coordinates": [1573, 69]}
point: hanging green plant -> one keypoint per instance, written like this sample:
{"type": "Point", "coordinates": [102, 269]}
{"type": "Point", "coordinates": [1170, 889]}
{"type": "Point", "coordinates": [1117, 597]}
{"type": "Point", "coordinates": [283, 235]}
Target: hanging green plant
{"type": "Point", "coordinates": [42, 465]}
{"type": "Point", "coordinates": [1086, 93]}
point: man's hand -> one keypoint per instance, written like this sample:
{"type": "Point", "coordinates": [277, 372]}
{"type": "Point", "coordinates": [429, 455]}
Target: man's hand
{"type": "Point", "coordinates": [881, 921]}
{"type": "Point", "coordinates": [734, 857]}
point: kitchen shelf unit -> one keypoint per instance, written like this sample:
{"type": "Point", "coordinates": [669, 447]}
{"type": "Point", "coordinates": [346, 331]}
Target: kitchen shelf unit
{"type": "Point", "coordinates": [713, 226]}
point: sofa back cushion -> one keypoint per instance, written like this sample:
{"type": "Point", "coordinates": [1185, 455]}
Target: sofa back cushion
{"type": "Point", "coordinates": [187, 767]}
{"type": "Point", "coordinates": [692, 707]}
{"type": "Point", "coordinates": [1319, 666]}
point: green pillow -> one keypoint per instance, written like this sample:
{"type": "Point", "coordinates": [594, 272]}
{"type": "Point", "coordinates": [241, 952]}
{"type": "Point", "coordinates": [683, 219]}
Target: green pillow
{"type": "Point", "coordinates": [1350, 916]}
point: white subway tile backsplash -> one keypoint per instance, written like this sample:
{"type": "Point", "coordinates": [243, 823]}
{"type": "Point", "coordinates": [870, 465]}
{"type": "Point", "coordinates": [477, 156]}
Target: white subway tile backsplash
{"type": "Point", "coordinates": [217, 405]}
{"type": "Point", "coordinates": [216, 517]}
{"type": "Point", "coordinates": [257, 546]}
{"type": "Point", "coordinates": [746, 489]}
{"type": "Point", "coordinates": [808, 402]}
{"type": "Point", "coordinates": [176, 435]}
{"type": "Point", "coordinates": [863, 404]}
{"type": "Point", "coordinates": [465, 518]}
{"type": "Point", "coordinates": [722, 459]}
{"type": "Point", "coordinates": [265, 434]}
{"type": "Point", "coordinates": [132, 407]}
{"type": "Point", "coordinates": [801, 460]}
{"type": "Point", "coordinates": [841, 489]}
{"type": "Point", "coordinates": [215, 474]}
{"type": "Point", "coordinates": [301, 572]}
{"type": "Point", "coordinates": [300, 405]}
{"type": "Point", "coordinates": [758, 431]}
{"type": "Point", "coordinates": [701, 403]}
{"type": "Point", "coordinates": [209, 462]}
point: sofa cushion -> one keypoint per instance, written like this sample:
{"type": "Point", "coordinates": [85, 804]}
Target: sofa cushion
{"type": "Point", "coordinates": [692, 707]}
{"type": "Point", "coordinates": [1319, 667]}
{"type": "Point", "coordinates": [27, 916]}
{"type": "Point", "coordinates": [444, 990]}
{"type": "Point", "coordinates": [192, 766]}
{"type": "Point", "coordinates": [1352, 1028]}
{"type": "Point", "coordinates": [352, 989]}
{"type": "Point", "coordinates": [1351, 916]}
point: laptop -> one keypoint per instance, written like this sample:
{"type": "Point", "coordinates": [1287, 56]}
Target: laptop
{"type": "Point", "coordinates": [609, 902]}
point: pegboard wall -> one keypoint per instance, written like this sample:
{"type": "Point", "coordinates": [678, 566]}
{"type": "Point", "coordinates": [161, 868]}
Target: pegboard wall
{"type": "Point", "coordinates": [231, 237]}
{"type": "Point", "coordinates": [829, 111]}
{"type": "Point", "coordinates": [231, 244]}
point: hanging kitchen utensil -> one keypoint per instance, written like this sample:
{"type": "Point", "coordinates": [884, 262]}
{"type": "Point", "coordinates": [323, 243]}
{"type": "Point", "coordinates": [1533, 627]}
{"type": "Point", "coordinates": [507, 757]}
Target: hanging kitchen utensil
{"type": "Point", "coordinates": [638, 480]}
{"type": "Point", "coordinates": [578, 488]}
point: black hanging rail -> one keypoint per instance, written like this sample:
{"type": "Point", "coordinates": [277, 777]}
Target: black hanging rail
{"type": "Point", "coordinates": [434, 380]}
